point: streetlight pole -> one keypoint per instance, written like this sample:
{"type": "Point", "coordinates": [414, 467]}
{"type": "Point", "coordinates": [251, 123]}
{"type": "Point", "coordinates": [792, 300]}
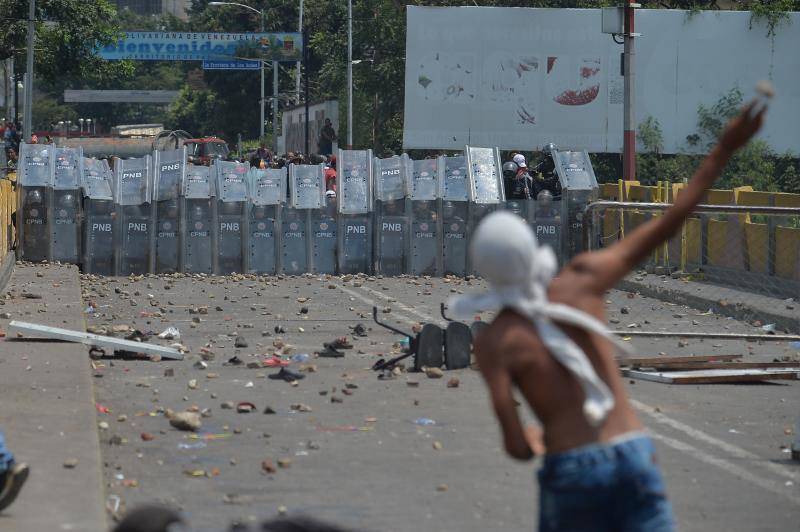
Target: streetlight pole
{"type": "Point", "coordinates": [349, 74]}
{"type": "Point", "coordinates": [297, 77]}
{"type": "Point", "coordinates": [27, 122]}
{"type": "Point", "coordinates": [262, 102]}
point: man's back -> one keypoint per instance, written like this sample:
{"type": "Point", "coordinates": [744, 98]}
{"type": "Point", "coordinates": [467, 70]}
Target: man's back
{"type": "Point", "coordinates": [550, 389]}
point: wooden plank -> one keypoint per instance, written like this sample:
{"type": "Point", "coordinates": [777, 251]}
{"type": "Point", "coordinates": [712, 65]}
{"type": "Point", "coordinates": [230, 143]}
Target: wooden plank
{"type": "Point", "coordinates": [683, 366]}
{"type": "Point", "coordinates": [96, 340]}
{"type": "Point", "coordinates": [630, 361]}
{"type": "Point", "coordinates": [713, 376]}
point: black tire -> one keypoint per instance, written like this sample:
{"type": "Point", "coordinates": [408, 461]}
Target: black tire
{"type": "Point", "coordinates": [457, 346]}
{"type": "Point", "coordinates": [429, 348]}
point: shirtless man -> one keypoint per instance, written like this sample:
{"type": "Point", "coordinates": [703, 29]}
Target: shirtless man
{"type": "Point", "coordinates": [599, 471]}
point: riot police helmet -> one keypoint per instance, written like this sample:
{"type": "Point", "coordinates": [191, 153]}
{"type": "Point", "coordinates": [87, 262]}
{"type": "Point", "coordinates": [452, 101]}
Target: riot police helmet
{"type": "Point", "coordinates": [510, 169]}
{"type": "Point", "coordinates": [544, 198]}
{"type": "Point", "coordinates": [550, 149]}
{"type": "Point", "coordinates": [34, 197]}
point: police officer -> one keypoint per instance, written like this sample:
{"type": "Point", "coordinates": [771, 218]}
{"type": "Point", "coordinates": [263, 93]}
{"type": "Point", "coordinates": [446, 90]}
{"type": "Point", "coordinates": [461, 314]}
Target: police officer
{"type": "Point", "coordinates": [520, 185]}
{"type": "Point", "coordinates": [546, 176]}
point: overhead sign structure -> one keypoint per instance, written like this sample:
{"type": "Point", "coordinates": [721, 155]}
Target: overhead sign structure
{"type": "Point", "coordinates": [234, 64]}
{"type": "Point", "coordinates": [560, 82]}
{"type": "Point", "coordinates": [187, 46]}
{"type": "Point", "coordinates": [119, 96]}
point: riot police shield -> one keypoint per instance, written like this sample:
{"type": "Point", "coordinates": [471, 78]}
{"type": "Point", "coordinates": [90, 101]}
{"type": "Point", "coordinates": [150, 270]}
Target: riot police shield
{"type": "Point", "coordinates": [324, 237]}
{"type": "Point", "coordinates": [197, 208]}
{"type": "Point", "coordinates": [454, 192]}
{"type": "Point", "coordinates": [354, 198]}
{"type": "Point", "coordinates": [99, 218]}
{"type": "Point", "coordinates": [354, 181]}
{"type": "Point", "coordinates": [307, 192]}
{"type": "Point", "coordinates": [454, 237]}
{"type": "Point", "coordinates": [169, 168]}
{"type": "Point", "coordinates": [546, 219]}
{"type": "Point", "coordinates": [425, 253]}
{"type": "Point", "coordinates": [65, 206]}
{"type": "Point", "coordinates": [294, 244]}
{"type": "Point", "coordinates": [485, 175]}
{"type": "Point", "coordinates": [579, 188]}
{"type": "Point", "coordinates": [34, 169]}
{"type": "Point", "coordinates": [133, 196]}
{"type": "Point", "coordinates": [267, 192]}
{"type": "Point", "coordinates": [230, 226]}
{"type": "Point", "coordinates": [307, 186]}
{"type": "Point", "coordinates": [391, 227]}
{"type": "Point", "coordinates": [477, 212]}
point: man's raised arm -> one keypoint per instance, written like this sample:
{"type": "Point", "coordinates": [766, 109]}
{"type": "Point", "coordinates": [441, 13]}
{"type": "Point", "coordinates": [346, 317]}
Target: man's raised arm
{"type": "Point", "coordinates": [615, 262]}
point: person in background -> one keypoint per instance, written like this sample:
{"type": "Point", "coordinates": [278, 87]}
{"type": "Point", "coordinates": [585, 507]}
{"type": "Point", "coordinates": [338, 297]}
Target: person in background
{"type": "Point", "coordinates": [330, 174]}
{"type": "Point", "coordinates": [326, 137]}
{"type": "Point", "coordinates": [520, 186]}
{"type": "Point", "coordinates": [12, 476]}
{"type": "Point", "coordinates": [545, 176]}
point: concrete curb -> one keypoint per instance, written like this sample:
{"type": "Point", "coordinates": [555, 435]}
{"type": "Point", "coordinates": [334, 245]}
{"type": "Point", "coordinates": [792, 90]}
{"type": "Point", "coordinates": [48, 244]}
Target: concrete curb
{"type": "Point", "coordinates": [738, 310]}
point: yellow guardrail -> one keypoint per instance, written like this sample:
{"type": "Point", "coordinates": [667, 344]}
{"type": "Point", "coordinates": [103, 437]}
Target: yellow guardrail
{"type": "Point", "coordinates": [757, 244]}
{"type": "Point", "coordinates": [8, 207]}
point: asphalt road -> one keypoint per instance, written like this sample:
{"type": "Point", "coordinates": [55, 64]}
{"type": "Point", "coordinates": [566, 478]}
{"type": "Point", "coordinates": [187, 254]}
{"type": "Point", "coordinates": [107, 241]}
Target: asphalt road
{"type": "Point", "coordinates": [361, 461]}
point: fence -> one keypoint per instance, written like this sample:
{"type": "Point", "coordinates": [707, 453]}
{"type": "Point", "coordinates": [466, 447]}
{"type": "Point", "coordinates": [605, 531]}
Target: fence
{"type": "Point", "coordinates": [7, 208]}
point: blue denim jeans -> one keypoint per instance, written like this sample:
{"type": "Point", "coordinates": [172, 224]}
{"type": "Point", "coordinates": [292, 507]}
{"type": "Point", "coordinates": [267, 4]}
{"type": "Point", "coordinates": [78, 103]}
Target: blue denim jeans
{"type": "Point", "coordinates": [605, 487]}
{"type": "Point", "coordinates": [6, 458]}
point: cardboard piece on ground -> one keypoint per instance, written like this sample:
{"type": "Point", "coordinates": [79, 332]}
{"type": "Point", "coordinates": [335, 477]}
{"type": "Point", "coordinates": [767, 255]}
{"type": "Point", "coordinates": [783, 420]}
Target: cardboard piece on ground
{"type": "Point", "coordinates": [96, 340]}
{"type": "Point", "coordinates": [710, 376]}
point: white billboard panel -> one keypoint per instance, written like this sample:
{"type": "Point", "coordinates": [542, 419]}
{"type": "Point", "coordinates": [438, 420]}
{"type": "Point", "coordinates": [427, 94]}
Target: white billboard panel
{"type": "Point", "coordinates": [519, 78]}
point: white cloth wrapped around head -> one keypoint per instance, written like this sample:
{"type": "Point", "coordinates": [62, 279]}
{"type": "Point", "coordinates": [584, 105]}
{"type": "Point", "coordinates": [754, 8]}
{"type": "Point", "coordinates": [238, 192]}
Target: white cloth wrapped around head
{"type": "Point", "coordinates": [507, 255]}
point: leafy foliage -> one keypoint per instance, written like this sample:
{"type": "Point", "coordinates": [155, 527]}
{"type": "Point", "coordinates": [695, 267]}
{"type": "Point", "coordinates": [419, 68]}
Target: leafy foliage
{"type": "Point", "coordinates": [755, 165]}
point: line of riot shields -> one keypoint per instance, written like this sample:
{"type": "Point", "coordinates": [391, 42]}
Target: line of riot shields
{"type": "Point", "coordinates": [393, 216]}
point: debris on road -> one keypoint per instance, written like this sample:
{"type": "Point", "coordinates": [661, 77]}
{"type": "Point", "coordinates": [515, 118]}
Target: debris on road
{"type": "Point", "coordinates": [94, 340]}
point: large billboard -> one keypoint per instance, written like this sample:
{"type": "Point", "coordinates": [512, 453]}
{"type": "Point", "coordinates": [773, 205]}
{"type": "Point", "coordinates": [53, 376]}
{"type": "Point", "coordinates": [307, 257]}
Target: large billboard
{"type": "Point", "coordinates": [189, 46]}
{"type": "Point", "coordinates": [519, 78]}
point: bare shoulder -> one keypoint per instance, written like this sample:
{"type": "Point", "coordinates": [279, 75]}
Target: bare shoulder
{"type": "Point", "coordinates": [508, 333]}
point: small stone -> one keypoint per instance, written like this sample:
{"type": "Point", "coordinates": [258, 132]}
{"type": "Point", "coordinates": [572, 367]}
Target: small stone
{"type": "Point", "coordinates": [300, 407]}
{"type": "Point", "coordinates": [240, 342]}
{"type": "Point", "coordinates": [200, 365]}
{"type": "Point", "coordinates": [434, 373]}
{"type": "Point", "coordinates": [268, 467]}
{"type": "Point", "coordinates": [192, 384]}
{"type": "Point", "coordinates": [103, 425]}
{"type": "Point", "coordinates": [303, 310]}
{"type": "Point", "coordinates": [189, 421]}
{"type": "Point", "coordinates": [335, 399]}
{"type": "Point", "coordinates": [269, 410]}
{"type": "Point", "coordinates": [70, 463]}
{"type": "Point", "coordinates": [284, 463]}
{"type": "Point", "coordinates": [625, 310]}
{"type": "Point", "coordinates": [282, 510]}
{"type": "Point", "coordinates": [169, 372]}
{"type": "Point", "coordinates": [441, 487]}
{"type": "Point", "coordinates": [437, 446]}
{"type": "Point", "coordinates": [683, 343]}
{"type": "Point", "coordinates": [453, 383]}
{"type": "Point", "coordinates": [227, 405]}
{"type": "Point", "coordinates": [122, 418]}
{"type": "Point", "coordinates": [5, 316]}
{"type": "Point", "coordinates": [146, 436]}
